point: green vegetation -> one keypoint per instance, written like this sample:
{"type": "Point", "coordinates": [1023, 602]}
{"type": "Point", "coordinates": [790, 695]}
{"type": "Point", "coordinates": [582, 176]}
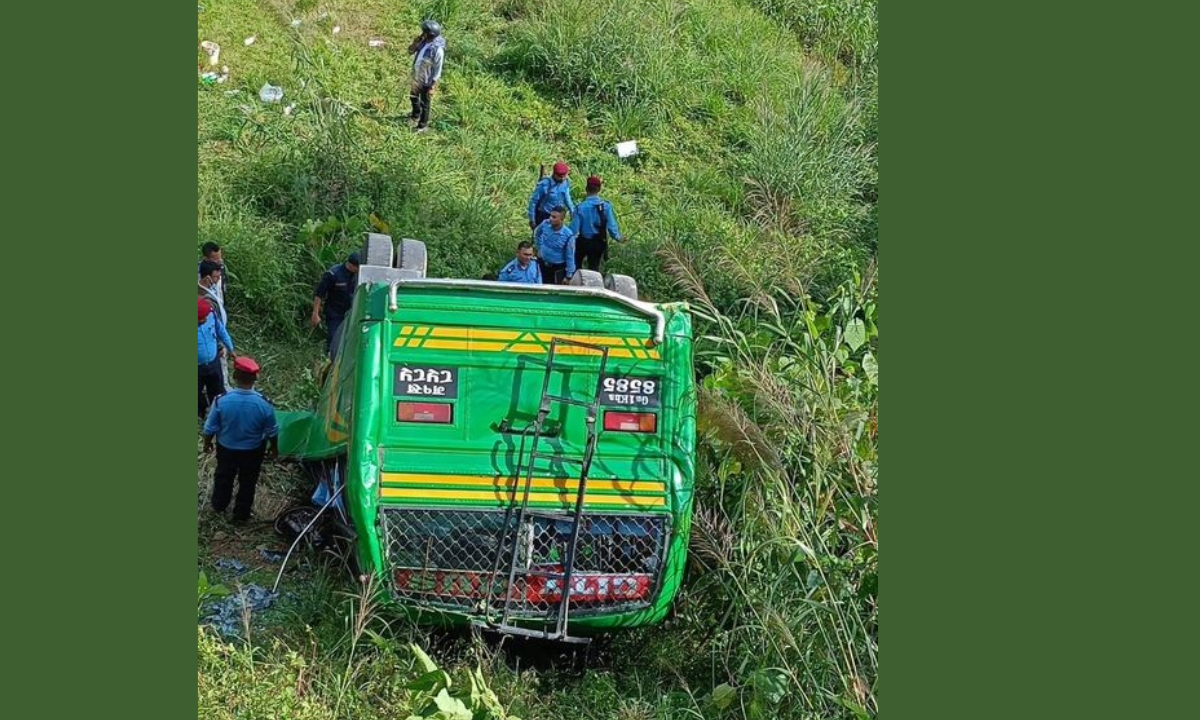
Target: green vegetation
{"type": "Point", "coordinates": [754, 197]}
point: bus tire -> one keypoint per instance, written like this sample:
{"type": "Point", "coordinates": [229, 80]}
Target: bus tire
{"type": "Point", "coordinates": [622, 285]}
{"type": "Point", "coordinates": [587, 278]}
{"type": "Point", "coordinates": [378, 250]}
{"type": "Point", "coordinates": [410, 255]}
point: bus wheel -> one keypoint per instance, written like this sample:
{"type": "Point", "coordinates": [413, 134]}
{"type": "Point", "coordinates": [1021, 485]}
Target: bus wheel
{"type": "Point", "coordinates": [587, 278]}
{"type": "Point", "coordinates": [411, 255]}
{"type": "Point", "coordinates": [622, 285]}
{"type": "Point", "coordinates": [378, 250]}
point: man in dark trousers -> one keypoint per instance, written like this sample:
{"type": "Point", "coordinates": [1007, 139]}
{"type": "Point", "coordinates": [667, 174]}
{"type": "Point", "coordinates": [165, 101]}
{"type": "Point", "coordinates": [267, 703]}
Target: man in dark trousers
{"type": "Point", "coordinates": [210, 336]}
{"type": "Point", "coordinates": [550, 193]}
{"type": "Point", "coordinates": [593, 222]}
{"type": "Point", "coordinates": [335, 293]}
{"type": "Point", "coordinates": [429, 52]}
{"type": "Point", "coordinates": [556, 246]}
{"type": "Point", "coordinates": [242, 423]}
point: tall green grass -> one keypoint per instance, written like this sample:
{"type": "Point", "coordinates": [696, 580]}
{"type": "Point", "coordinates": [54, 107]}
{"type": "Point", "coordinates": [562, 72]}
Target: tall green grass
{"type": "Point", "coordinates": [754, 197]}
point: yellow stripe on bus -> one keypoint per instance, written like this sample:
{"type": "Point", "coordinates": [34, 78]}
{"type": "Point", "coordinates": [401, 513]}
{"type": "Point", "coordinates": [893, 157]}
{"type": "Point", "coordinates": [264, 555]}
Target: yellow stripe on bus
{"type": "Point", "coordinates": [506, 496]}
{"type": "Point", "coordinates": [483, 340]}
{"type": "Point", "coordinates": [546, 483]}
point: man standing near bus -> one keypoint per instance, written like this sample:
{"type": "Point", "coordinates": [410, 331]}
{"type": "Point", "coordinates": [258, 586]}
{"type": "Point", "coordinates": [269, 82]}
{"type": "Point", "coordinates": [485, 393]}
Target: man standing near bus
{"type": "Point", "coordinates": [210, 336]}
{"type": "Point", "coordinates": [335, 293]}
{"type": "Point", "coordinates": [593, 221]}
{"type": "Point", "coordinates": [550, 193]}
{"type": "Point", "coordinates": [556, 246]}
{"type": "Point", "coordinates": [243, 425]}
{"type": "Point", "coordinates": [523, 268]}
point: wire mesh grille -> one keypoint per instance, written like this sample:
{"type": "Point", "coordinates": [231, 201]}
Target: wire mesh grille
{"type": "Point", "coordinates": [461, 560]}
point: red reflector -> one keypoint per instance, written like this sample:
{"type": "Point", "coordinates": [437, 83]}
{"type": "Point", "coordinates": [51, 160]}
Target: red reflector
{"type": "Point", "coordinates": [424, 412]}
{"type": "Point", "coordinates": [630, 422]}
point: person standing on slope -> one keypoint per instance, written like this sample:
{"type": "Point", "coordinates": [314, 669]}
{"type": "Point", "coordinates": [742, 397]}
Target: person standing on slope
{"type": "Point", "coordinates": [428, 51]}
{"type": "Point", "coordinates": [550, 193]}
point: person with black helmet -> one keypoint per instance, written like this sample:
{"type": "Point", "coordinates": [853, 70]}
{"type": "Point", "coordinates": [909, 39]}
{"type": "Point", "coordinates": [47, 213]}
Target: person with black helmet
{"type": "Point", "coordinates": [428, 51]}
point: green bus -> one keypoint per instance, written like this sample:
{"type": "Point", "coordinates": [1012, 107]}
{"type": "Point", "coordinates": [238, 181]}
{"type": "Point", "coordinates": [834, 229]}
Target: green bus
{"type": "Point", "coordinates": [515, 456]}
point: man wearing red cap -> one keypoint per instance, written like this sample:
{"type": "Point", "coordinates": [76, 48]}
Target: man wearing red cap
{"type": "Point", "coordinates": [550, 193]}
{"type": "Point", "coordinates": [593, 223]}
{"type": "Point", "coordinates": [243, 425]}
{"type": "Point", "coordinates": [210, 335]}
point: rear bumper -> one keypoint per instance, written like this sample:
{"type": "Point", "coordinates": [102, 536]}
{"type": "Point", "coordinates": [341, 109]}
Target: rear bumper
{"type": "Point", "coordinates": [453, 565]}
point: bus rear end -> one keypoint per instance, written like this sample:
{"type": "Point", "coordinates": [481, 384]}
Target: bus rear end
{"type": "Point", "coordinates": [461, 378]}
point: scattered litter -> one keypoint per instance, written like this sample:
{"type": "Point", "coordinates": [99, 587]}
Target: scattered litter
{"type": "Point", "coordinates": [231, 93]}
{"type": "Point", "coordinates": [376, 43]}
{"type": "Point", "coordinates": [250, 40]}
{"type": "Point", "coordinates": [627, 149]}
{"type": "Point", "coordinates": [208, 78]}
{"type": "Point", "coordinates": [213, 51]}
{"type": "Point", "coordinates": [271, 556]}
{"type": "Point", "coordinates": [199, 8]}
{"type": "Point", "coordinates": [227, 614]}
{"type": "Point", "coordinates": [269, 93]}
{"type": "Point", "coordinates": [288, 110]}
{"type": "Point", "coordinates": [337, 29]}
{"type": "Point", "coordinates": [231, 565]}
{"type": "Point", "coordinates": [224, 74]}
{"type": "Point", "coordinates": [295, 23]}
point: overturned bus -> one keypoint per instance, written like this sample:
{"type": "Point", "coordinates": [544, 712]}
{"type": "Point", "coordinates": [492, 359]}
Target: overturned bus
{"type": "Point", "coordinates": [515, 456]}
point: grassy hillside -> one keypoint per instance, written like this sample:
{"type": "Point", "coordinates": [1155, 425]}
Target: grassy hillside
{"type": "Point", "coordinates": [754, 196]}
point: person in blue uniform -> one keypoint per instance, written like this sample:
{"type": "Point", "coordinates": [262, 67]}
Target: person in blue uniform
{"type": "Point", "coordinates": [335, 293]}
{"type": "Point", "coordinates": [550, 193]}
{"type": "Point", "coordinates": [594, 222]}
{"type": "Point", "coordinates": [210, 336]}
{"type": "Point", "coordinates": [242, 426]}
{"type": "Point", "coordinates": [556, 246]}
{"type": "Point", "coordinates": [523, 268]}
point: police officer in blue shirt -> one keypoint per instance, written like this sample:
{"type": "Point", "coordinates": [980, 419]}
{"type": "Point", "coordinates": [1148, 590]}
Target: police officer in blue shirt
{"type": "Point", "coordinates": [556, 245]}
{"type": "Point", "coordinates": [550, 193]}
{"type": "Point", "coordinates": [336, 294]}
{"type": "Point", "coordinates": [593, 222]}
{"type": "Point", "coordinates": [210, 336]}
{"type": "Point", "coordinates": [244, 427]}
{"type": "Point", "coordinates": [523, 268]}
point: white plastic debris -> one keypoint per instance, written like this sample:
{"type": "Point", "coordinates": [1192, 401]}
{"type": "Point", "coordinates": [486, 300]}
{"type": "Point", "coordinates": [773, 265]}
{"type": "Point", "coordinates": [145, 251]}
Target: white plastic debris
{"type": "Point", "coordinates": [627, 149]}
{"type": "Point", "coordinates": [269, 93]}
{"type": "Point", "coordinates": [288, 110]}
{"type": "Point", "coordinates": [337, 29]}
{"type": "Point", "coordinates": [250, 40]}
{"type": "Point", "coordinates": [213, 51]}
{"type": "Point", "coordinates": [376, 43]}
{"type": "Point", "coordinates": [295, 23]}
{"type": "Point", "coordinates": [231, 93]}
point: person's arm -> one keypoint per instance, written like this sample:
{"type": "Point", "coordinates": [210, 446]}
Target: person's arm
{"type": "Point", "coordinates": [320, 294]}
{"type": "Point", "coordinates": [574, 223]}
{"type": "Point", "coordinates": [569, 202]}
{"type": "Point", "coordinates": [224, 335]}
{"type": "Point", "coordinates": [272, 433]}
{"type": "Point", "coordinates": [612, 223]}
{"type": "Point", "coordinates": [211, 424]}
{"type": "Point", "coordinates": [533, 201]}
{"type": "Point", "coordinates": [415, 45]}
{"type": "Point", "coordinates": [569, 251]}
{"type": "Point", "coordinates": [537, 269]}
{"type": "Point", "coordinates": [439, 55]}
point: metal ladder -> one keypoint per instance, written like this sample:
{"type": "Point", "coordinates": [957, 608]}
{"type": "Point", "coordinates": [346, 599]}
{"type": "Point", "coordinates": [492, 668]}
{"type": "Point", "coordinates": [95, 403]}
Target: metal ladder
{"type": "Point", "coordinates": [516, 514]}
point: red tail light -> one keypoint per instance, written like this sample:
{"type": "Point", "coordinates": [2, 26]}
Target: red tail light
{"type": "Point", "coordinates": [630, 422]}
{"type": "Point", "coordinates": [424, 412]}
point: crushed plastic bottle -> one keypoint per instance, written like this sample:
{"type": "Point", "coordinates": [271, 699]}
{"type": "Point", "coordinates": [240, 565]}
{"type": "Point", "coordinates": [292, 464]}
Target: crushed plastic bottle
{"type": "Point", "coordinates": [269, 93]}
